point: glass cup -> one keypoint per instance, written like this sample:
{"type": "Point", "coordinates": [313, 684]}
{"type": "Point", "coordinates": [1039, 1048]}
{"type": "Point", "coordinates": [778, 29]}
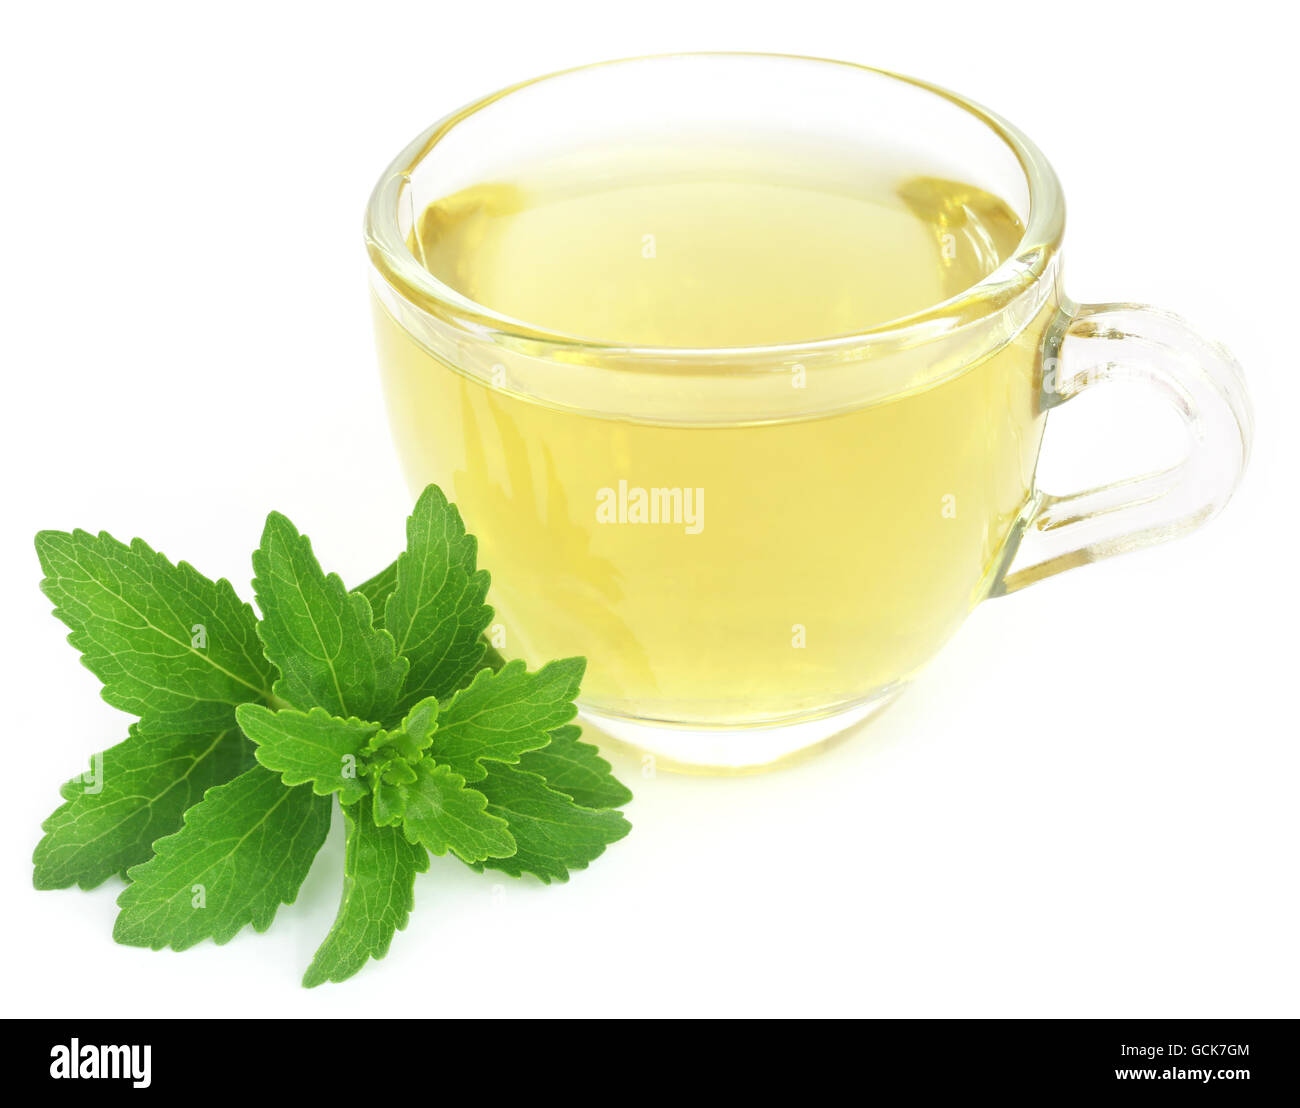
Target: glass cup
{"type": "Point", "coordinates": [837, 505]}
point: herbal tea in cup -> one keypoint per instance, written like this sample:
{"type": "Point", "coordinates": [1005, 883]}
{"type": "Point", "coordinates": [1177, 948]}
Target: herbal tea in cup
{"type": "Point", "coordinates": [739, 367]}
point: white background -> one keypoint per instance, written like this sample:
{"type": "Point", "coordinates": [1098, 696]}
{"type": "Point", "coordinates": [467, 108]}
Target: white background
{"type": "Point", "coordinates": [1087, 804]}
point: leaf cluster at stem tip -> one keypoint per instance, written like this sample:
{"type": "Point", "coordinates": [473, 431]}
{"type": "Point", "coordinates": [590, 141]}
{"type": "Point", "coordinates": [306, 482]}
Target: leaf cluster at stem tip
{"type": "Point", "coordinates": [387, 696]}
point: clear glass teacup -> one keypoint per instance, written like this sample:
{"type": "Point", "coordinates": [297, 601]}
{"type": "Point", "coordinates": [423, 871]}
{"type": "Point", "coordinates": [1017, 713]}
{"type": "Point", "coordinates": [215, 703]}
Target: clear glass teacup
{"type": "Point", "coordinates": [738, 366]}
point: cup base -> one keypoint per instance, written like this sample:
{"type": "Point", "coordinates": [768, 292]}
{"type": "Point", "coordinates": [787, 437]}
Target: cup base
{"type": "Point", "coordinates": [737, 747]}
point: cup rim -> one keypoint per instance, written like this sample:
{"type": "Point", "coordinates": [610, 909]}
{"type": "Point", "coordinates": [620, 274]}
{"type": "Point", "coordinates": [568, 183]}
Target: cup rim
{"type": "Point", "coordinates": [1017, 275]}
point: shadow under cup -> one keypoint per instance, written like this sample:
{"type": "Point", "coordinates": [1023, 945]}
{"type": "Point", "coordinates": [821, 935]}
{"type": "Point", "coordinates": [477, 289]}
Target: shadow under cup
{"type": "Point", "coordinates": [754, 546]}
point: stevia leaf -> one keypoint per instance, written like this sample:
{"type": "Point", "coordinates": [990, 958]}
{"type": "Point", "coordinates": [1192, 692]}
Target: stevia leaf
{"type": "Point", "coordinates": [378, 589]}
{"type": "Point", "coordinates": [576, 769]}
{"type": "Point", "coordinates": [553, 836]}
{"type": "Point", "coordinates": [388, 803]}
{"type": "Point", "coordinates": [441, 814]}
{"type": "Point", "coordinates": [435, 612]}
{"type": "Point", "coordinates": [243, 850]}
{"type": "Point", "coordinates": [413, 735]}
{"type": "Point", "coordinates": [320, 637]}
{"type": "Point", "coordinates": [379, 871]}
{"type": "Point", "coordinates": [311, 747]}
{"type": "Point", "coordinates": [171, 646]}
{"type": "Point", "coordinates": [500, 716]}
{"type": "Point", "coordinates": [398, 771]}
{"type": "Point", "coordinates": [141, 790]}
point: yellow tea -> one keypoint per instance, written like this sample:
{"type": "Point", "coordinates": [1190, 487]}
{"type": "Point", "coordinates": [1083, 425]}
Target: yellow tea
{"type": "Point", "coordinates": [719, 566]}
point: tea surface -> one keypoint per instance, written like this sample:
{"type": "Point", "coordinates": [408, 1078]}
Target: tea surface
{"type": "Point", "coordinates": [739, 248]}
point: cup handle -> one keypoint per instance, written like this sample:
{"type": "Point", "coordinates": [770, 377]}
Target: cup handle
{"type": "Point", "coordinates": [1089, 345]}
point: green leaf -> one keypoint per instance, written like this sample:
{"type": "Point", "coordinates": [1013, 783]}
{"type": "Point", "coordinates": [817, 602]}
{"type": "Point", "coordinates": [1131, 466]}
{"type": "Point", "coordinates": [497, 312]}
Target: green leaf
{"type": "Point", "coordinates": [413, 735]}
{"type": "Point", "coordinates": [379, 871]}
{"type": "Point", "coordinates": [500, 716]}
{"type": "Point", "coordinates": [553, 835]}
{"type": "Point", "coordinates": [378, 589]}
{"type": "Point", "coordinates": [397, 771]}
{"type": "Point", "coordinates": [171, 646]}
{"type": "Point", "coordinates": [141, 789]}
{"type": "Point", "coordinates": [320, 637]}
{"type": "Point", "coordinates": [442, 814]}
{"type": "Point", "coordinates": [310, 746]}
{"type": "Point", "coordinates": [577, 770]}
{"type": "Point", "coordinates": [436, 612]}
{"type": "Point", "coordinates": [243, 851]}
{"type": "Point", "coordinates": [389, 803]}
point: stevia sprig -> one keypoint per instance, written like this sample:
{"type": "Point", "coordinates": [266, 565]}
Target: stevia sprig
{"type": "Point", "coordinates": [386, 696]}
